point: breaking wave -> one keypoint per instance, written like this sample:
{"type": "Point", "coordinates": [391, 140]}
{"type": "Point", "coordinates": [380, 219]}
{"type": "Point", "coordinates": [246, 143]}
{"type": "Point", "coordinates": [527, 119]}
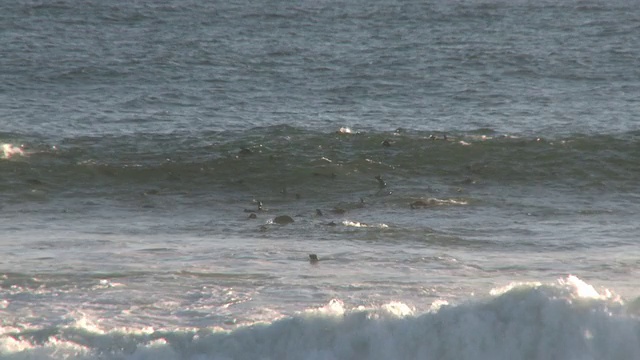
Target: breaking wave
{"type": "Point", "coordinates": [566, 320]}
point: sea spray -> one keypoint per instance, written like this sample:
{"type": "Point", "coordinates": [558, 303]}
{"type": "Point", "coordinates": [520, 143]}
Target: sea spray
{"type": "Point", "coordinates": [527, 321]}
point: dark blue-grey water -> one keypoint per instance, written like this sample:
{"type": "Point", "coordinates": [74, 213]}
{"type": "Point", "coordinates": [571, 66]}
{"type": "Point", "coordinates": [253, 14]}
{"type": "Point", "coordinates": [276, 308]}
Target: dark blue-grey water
{"type": "Point", "coordinates": [466, 171]}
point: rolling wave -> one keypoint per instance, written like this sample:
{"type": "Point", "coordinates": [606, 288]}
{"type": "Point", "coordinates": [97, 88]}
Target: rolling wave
{"type": "Point", "coordinates": [566, 320]}
{"type": "Point", "coordinates": [282, 156]}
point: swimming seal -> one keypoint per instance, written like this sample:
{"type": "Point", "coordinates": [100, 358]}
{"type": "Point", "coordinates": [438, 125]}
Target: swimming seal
{"type": "Point", "coordinates": [259, 208]}
{"type": "Point", "coordinates": [283, 219]}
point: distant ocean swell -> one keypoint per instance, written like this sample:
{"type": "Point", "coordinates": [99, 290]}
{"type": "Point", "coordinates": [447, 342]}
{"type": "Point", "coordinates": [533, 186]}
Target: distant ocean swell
{"type": "Point", "coordinates": [281, 156]}
{"type": "Point", "coordinates": [566, 320]}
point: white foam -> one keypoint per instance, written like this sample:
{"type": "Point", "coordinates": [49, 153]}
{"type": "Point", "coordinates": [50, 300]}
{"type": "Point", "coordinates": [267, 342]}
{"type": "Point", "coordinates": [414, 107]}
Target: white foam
{"type": "Point", "coordinates": [432, 202]}
{"type": "Point", "coordinates": [583, 290]}
{"type": "Point", "coordinates": [335, 307]}
{"type": "Point", "coordinates": [10, 150]}
{"type": "Point", "coordinates": [566, 320]}
{"type": "Point", "coordinates": [358, 224]}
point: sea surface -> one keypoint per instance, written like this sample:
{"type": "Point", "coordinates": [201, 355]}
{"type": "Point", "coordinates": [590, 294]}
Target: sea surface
{"type": "Point", "coordinates": [466, 173]}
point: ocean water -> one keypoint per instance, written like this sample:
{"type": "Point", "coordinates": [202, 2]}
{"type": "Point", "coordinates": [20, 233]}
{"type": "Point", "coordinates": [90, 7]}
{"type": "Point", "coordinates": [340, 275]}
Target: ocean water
{"type": "Point", "coordinates": [466, 172]}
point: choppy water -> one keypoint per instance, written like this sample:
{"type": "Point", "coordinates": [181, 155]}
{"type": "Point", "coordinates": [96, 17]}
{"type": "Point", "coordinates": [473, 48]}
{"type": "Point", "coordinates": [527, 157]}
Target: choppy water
{"type": "Point", "coordinates": [466, 173]}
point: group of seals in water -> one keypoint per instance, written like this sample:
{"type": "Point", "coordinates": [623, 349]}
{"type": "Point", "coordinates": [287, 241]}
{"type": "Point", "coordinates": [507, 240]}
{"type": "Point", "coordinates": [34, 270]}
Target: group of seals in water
{"type": "Point", "coordinates": [281, 219]}
{"type": "Point", "coordinates": [286, 219]}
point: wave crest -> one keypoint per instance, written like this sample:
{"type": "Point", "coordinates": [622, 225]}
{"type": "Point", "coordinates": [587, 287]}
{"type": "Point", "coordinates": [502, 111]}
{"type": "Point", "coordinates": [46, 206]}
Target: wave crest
{"type": "Point", "coordinates": [567, 320]}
